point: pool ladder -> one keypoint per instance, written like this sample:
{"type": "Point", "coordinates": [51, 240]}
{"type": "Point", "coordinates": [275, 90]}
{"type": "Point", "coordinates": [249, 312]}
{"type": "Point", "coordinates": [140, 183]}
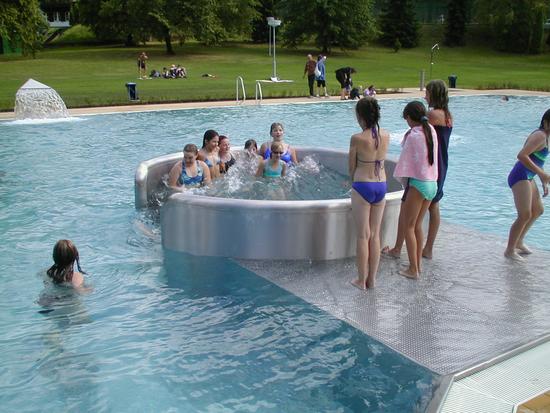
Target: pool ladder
{"type": "Point", "coordinates": [240, 82]}
{"type": "Point", "coordinates": [259, 94]}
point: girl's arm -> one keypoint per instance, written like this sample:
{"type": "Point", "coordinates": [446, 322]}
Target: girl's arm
{"type": "Point", "coordinates": [535, 142]}
{"type": "Point", "coordinates": [260, 170]}
{"type": "Point", "coordinates": [206, 173]}
{"type": "Point", "coordinates": [293, 156]}
{"type": "Point", "coordinates": [262, 150]}
{"type": "Point", "coordinates": [174, 175]}
{"type": "Point", "coordinates": [283, 172]}
{"type": "Point", "coordinates": [352, 158]}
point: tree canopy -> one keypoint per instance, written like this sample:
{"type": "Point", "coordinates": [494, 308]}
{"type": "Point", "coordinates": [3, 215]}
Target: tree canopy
{"type": "Point", "coordinates": [398, 24]}
{"type": "Point", "coordinates": [22, 23]}
{"type": "Point", "coordinates": [331, 23]}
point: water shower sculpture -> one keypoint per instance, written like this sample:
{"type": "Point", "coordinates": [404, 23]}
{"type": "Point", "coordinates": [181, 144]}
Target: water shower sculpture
{"type": "Point", "coordinates": [34, 100]}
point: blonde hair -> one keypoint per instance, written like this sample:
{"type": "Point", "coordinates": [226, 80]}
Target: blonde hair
{"type": "Point", "coordinates": [277, 146]}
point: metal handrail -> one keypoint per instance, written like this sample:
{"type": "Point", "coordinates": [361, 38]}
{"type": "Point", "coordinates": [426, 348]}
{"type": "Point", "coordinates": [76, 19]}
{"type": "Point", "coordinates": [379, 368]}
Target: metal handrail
{"type": "Point", "coordinates": [258, 92]}
{"type": "Point", "coordinates": [240, 81]}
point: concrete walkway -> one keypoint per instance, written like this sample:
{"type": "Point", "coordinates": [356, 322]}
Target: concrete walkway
{"type": "Point", "coordinates": [469, 306]}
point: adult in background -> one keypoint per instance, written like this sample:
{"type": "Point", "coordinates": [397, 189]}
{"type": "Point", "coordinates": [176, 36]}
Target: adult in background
{"type": "Point", "coordinates": [367, 153]}
{"type": "Point", "coordinates": [320, 75]}
{"type": "Point", "coordinates": [309, 70]}
{"type": "Point", "coordinates": [343, 75]}
{"type": "Point", "coordinates": [142, 65]}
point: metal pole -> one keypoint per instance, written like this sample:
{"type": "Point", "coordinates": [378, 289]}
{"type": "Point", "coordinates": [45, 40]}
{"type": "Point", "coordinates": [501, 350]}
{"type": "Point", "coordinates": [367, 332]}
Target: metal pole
{"type": "Point", "coordinates": [269, 47]}
{"type": "Point", "coordinates": [422, 79]}
{"type": "Point", "coordinates": [435, 46]}
{"type": "Point", "coordinates": [274, 61]}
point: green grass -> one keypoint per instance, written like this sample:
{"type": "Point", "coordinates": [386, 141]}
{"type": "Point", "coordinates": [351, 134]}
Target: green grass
{"type": "Point", "coordinates": [96, 75]}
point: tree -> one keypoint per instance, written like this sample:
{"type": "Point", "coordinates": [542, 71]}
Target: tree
{"type": "Point", "coordinates": [22, 23]}
{"type": "Point", "coordinates": [209, 21]}
{"type": "Point", "coordinates": [455, 29]}
{"type": "Point", "coordinates": [342, 23]}
{"type": "Point", "coordinates": [515, 25]}
{"type": "Point", "coordinates": [398, 22]}
{"type": "Point", "coordinates": [260, 29]}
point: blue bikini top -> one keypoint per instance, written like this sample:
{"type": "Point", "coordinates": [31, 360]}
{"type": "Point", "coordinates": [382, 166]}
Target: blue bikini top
{"type": "Point", "coordinates": [187, 180]}
{"type": "Point", "coordinates": [287, 157]}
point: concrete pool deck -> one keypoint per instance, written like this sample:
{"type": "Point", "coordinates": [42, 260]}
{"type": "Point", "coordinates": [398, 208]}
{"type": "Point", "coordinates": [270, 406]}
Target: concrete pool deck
{"type": "Point", "coordinates": [406, 93]}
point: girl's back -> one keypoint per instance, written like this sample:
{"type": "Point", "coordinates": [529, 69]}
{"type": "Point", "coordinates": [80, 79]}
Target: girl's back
{"type": "Point", "coordinates": [371, 149]}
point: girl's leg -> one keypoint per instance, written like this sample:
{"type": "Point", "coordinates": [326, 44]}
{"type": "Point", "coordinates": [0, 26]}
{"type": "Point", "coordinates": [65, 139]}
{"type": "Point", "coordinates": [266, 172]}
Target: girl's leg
{"type": "Point", "coordinates": [433, 228]}
{"type": "Point", "coordinates": [537, 209]}
{"type": "Point", "coordinates": [419, 233]}
{"type": "Point", "coordinates": [523, 194]}
{"type": "Point", "coordinates": [411, 210]}
{"type": "Point", "coordinates": [361, 211]}
{"type": "Point", "coordinates": [395, 252]}
{"type": "Point", "coordinates": [376, 213]}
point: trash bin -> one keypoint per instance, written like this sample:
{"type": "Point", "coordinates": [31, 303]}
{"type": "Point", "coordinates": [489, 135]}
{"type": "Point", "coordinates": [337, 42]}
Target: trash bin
{"type": "Point", "coordinates": [452, 81]}
{"type": "Point", "coordinates": [132, 91]}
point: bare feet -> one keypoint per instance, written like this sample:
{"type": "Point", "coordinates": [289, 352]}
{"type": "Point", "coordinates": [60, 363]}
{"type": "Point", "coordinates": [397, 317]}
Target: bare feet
{"type": "Point", "coordinates": [408, 273]}
{"type": "Point", "coordinates": [523, 250]}
{"type": "Point", "coordinates": [357, 283]}
{"type": "Point", "coordinates": [370, 283]}
{"type": "Point", "coordinates": [391, 252]}
{"type": "Point", "coordinates": [427, 253]}
{"type": "Point", "coordinates": [514, 256]}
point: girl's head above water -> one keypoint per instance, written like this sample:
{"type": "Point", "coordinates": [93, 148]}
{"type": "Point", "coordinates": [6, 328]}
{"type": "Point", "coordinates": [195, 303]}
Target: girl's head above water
{"type": "Point", "coordinates": [368, 112]}
{"type": "Point", "coordinates": [277, 131]}
{"type": "Point", "coordinates": [278, 148]}
{"type": "Point", "coordinates": [210, 135]}
{"type": "Point", "coordinates": [64, 255]}
{"type": "Point", "coordinates": [251, 145]}
{"type": "Point", "coordinates": [545, 121]}
{"type": "Point", "coordinates": [224, 144]}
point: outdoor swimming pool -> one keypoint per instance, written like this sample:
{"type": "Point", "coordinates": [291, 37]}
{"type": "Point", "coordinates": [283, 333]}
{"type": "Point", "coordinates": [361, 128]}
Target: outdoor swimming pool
{"type": "Point", "coordinates": [166, 332]}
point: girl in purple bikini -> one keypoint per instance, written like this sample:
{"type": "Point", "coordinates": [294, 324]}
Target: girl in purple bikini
{"type": "Point", "coordinates": [526, 194]}
{"type": "Point", "coordinates": [367, 153]}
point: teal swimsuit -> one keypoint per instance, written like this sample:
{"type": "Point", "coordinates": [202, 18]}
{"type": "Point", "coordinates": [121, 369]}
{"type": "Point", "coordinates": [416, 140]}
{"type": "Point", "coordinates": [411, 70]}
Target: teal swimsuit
{"type": "Point", "coordinates": [269, 172]}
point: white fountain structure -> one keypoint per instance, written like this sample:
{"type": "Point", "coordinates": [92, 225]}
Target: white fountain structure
{"type": "Point", "coordinates": [35, 100]}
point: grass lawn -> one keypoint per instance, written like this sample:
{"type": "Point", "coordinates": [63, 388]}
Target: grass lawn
{"type": "Point", "coordinates": [96, 75]}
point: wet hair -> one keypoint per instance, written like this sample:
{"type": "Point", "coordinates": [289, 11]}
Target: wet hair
{"type": "Point", "coordinates": [545, 118]}
{"type": "Point", "coordinates": [208, 136]}
{"type": "Point", "coordinates": [417, 112]}
{"type": "Point", "coordinates": [277, 146]}
{"type": "Point", "coordinates": [368, 110]}
{"type": "Point", "coordinates": [274, 125]}
{"type": "Point", "coordinates": [64, 256]}
{"type": "Point", "coordinates": [249, 143]}
{"type": "Point", "coordinates": [222, 137]}
{"type": "Point", "coordinates": [190, 147]}
{"type": "Point", "coordinates": [439, 96]}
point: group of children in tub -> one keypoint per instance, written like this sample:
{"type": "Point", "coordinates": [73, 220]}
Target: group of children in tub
{"type": "Point", "coordinates": [421, 168]}
{"type": "Point", "coordinates": [213, 160]}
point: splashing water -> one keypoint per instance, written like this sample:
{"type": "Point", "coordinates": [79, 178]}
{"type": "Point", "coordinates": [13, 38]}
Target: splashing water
{"type": "Point", "coordinates": [34, 100]}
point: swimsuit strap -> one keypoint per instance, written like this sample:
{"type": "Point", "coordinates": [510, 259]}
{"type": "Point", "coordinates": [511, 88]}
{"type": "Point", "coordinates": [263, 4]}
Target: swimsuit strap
{"type": "Point", "coordinates": [378, 166]}
{"type": "Point", "coordinates": [374, 134]}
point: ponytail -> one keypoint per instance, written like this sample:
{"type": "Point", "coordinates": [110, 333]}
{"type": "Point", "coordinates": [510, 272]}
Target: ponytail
{"type": "Point", "coordinates": [429, 138]}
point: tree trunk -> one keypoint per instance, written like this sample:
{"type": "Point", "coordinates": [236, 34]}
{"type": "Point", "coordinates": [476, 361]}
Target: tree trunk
{"type": "Point", "coordinates": [168, 41]}
{"type": "Point", "coordinates": [129, 41]}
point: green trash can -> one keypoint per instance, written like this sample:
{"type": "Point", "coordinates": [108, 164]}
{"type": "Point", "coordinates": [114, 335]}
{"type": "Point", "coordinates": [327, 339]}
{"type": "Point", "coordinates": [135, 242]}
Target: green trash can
{"type": "Point", "coordinates": [452, 81]}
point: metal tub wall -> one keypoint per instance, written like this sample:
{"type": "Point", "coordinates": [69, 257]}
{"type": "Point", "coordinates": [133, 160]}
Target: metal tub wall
{"type": "Point", "coordinates": [257, 229]}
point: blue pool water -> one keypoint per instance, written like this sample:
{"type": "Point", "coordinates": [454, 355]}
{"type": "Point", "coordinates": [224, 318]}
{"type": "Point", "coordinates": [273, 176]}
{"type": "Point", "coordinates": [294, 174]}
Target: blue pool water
{"type": "Point", "coordinates": [164, 332]}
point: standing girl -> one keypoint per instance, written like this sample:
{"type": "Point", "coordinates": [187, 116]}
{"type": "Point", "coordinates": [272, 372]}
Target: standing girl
{"type": "Point", "coordinates": [417, 168]}
{"type": "Point", "coordinates": [277, 133]}
{"type": "Point", "coordinates": [441, 119]}
{"type": "Point", "coordinates": [526, 194]}
{"type": "Point", "coordinates": [367, 153]}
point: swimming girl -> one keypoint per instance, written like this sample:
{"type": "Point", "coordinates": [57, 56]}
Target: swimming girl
{"type": "Point", "coordinates": [273, 167]}
{"type": "Point", "coordinates": [277, 133]}
{"type": "Point", "coordinates": [526, 194]}
{"type": "Point", "coordinates": [62, 271]}
{"type": "Point", "coordinates": [441, 119]}
{"type": "Point", "coordinates": [417, 168]}
{"type": "Point", "coordinates": [226, 157]}
{"type": "Point", "coordinates": [190, 172]}
{"type": "Point", "coordinates": [209, 152]}
{"type": "Point", "coordinates": [367, 152]}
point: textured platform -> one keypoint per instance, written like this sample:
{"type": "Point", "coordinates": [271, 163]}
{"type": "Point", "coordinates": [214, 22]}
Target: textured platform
{"type": "Point", "coordinates": [469, 306]}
